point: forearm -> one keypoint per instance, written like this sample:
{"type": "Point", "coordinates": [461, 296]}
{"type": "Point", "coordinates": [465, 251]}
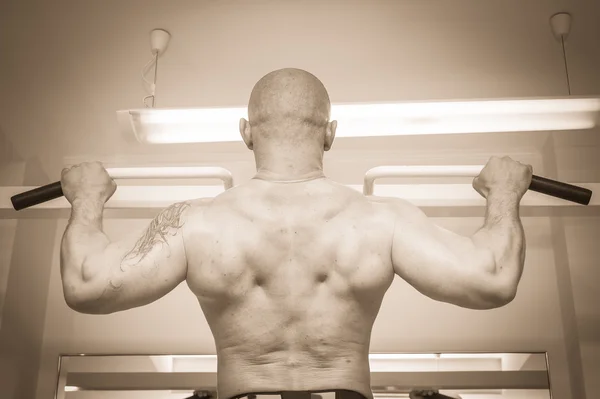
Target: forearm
{"type": "Point", "coordinates": [502, 234]}
{"type": "Point", "coordinates": [83, 237]}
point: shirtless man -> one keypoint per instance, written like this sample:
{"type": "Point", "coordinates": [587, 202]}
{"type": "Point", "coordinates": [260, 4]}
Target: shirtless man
{"type": "Point", "coordinates": [290, 268]}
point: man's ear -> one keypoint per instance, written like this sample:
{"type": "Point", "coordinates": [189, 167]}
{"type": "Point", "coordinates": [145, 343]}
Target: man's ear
{"type": "Point", "coordinates": [330, 135]}
{"type": "Point", "coordinates": [246, 132]}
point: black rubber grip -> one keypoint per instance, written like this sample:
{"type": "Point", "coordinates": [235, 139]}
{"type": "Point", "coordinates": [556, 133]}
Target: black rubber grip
{"type": "Point", "coordinates": [37, 196]}
{"type": "Point", "coordinates": [558, 189]}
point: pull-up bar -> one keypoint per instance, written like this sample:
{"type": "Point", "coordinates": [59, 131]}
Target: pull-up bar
{"type": "Point", "coordinates": [54, 190]}
{"type": "Point", "coordinates": [554, 188]}
{"type": "Point", "coordinates": [550, 187]}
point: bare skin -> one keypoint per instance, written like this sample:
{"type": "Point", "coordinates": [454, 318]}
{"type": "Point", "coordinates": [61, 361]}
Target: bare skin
{"type": "Point", "coordinates": [291, 291]}
{"type": "Point", "coordinates": [290, 268]}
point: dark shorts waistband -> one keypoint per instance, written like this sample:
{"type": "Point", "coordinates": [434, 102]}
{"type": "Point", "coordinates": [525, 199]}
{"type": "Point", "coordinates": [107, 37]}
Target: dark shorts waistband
{"type": "Point", "coordinates": [325, 394]}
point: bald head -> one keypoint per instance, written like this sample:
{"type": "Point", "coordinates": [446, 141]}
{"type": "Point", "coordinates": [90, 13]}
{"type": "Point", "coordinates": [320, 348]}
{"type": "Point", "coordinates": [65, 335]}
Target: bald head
{"type": "Point", "coordinates": [288, 108]}
{"type": "Point", "coordinates": [289, 127]}
{"type": "Point", "coordinates": [289, 96]}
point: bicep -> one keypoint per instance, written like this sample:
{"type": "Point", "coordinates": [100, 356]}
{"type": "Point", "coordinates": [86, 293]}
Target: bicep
{"type": "Point", "coordinates": [142, 267]}
{"type": "Point", "coordinates": [439, 263]}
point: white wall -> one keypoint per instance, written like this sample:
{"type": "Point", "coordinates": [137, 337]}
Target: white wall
{"type": "Point", "coordinates": [12, 170]}
{"type": "Point", "coordinates": [578, 160]}
{"type": "Point", "coordinates": [8, 228]}
{"type": "Point", "coordinates": [26, 291]}
{"type": "Point", "coordinates": [591, 364]}
{"type": "Point", "coordinates": [584, 259]}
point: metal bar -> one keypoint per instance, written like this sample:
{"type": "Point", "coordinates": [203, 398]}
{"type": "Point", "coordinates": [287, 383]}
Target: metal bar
{"type": "Point", "coordinates": [174, 172]}
{"type": "Point", "coordinates": [381, 172]}
{"type": "Point", "coordinates": [569, 192]}
{"type": "Point", "coordinates": [52, 191]}
{"type": "Point", "coordinates": [436, 200]}
{"type": "Point", "coordinates": [401, 381]}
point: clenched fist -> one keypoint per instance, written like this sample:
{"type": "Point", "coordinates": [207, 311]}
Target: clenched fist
{"type": "Point", "coordinates": [503, 175]}
{"type": "Point", "coordinates": [87, 181]}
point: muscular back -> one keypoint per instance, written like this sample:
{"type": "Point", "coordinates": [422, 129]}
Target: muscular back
{"type": "Point", "coordinates": [290, 278]}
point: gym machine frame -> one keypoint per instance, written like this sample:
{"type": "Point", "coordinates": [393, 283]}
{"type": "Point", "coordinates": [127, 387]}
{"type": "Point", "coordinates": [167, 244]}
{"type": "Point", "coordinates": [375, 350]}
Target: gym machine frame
{"type": "Point", "coordinates": [48, 197]}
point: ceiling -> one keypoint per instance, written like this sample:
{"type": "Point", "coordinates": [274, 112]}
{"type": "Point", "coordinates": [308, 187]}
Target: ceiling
{"type": "Point", "coordinates": [63, 82]}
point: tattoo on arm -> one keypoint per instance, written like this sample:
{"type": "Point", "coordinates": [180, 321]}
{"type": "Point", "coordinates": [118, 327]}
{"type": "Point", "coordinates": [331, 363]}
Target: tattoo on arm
{"type": "Point", "coordinates": [168, 222]}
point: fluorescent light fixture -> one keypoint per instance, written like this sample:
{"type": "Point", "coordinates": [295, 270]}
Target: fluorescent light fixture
{"type": "Point", "coordinates": [209, 125]}
{"type": "Point", "coordinates": [71, 389]}
{"type": "Point", "coordinates": [473, 355]}
{"type": "Point", "coordinates": [401, 356]}
{"type": "Point", "coordinates": [377, 356]}
{"type": "Point", "coordinates": [386, 356]}
{"type": "Point", "coordinates": [378, 362]}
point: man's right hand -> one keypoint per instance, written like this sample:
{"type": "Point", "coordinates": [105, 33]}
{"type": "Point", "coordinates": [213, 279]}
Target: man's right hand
{"type": "Point", "coordinates": [87, 181]}
{"type": "Point", "coordinates": [503, 175]}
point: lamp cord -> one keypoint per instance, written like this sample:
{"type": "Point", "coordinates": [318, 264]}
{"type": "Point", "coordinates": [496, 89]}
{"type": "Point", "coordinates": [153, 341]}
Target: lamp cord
{"type": "Point", "coordinates": [562, 40]}
{"type": "Point", "coordinates": [145, 70]}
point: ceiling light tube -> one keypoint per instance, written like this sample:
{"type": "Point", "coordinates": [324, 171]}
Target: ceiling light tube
{"type": "Point", "coordinates": [209, 125]}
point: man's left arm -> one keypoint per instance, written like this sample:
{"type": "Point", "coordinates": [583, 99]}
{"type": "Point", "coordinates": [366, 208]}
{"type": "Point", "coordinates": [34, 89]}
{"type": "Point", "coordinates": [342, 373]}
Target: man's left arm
{"type": "Point", "coordinates": [100, 276]}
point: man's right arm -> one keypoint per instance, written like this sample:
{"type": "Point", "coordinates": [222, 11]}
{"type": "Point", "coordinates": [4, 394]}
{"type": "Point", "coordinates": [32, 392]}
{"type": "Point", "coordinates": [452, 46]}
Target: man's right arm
{"type": "Point", "coordinates": [478, 272]}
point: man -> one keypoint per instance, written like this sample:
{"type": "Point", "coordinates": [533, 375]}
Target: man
{"type": "Point", "coordinates": [290, 268]}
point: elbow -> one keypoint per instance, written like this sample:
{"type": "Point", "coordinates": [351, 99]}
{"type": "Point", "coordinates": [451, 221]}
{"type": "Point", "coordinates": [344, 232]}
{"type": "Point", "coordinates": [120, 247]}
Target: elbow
{"type": "Point", "coordinates": [86, 297]}
{"type": "Point", "coordinates": [491, 293]}
{"type": "Point", "coordinates": [499, 290]}
{"type": "Point", "coordinates": [504, 297]}
{"type": "Point", "coordinates": [83, 307]}
{"type": "Point", "coordinates": [508, 294]}
{"type": "Point", "coordinates": [499, 296]}
{"type": "Point", "coordinates": [86, 306]}
{"type": "Point", "coordinates": [505, 287]}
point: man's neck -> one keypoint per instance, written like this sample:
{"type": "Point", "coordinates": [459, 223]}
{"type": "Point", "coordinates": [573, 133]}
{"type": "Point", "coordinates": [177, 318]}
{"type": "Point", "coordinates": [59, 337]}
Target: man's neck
{"type": "Point", "coordinates": [288, 176]}
{"type": "Point", "coordinates": [288, 165]}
